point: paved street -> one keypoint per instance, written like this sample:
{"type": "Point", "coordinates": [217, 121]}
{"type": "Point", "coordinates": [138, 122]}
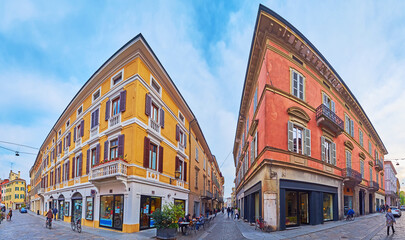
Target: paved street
{"type": "Point", "coordinates": [30, 226]}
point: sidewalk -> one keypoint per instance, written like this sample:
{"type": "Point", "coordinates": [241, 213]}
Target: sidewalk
{"type": "Point", "coordinates": [249, 232]}
{"type": "Point", "coordinates": [104, 233]}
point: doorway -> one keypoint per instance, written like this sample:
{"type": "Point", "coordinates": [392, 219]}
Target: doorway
{"type": "Point", "coordinates": [370, 203]}
{"type": "Point", "coordinates": [112, 211]}
{"type": "Point", "coordinates": [361, 202]}
{"type": "Point", "coordinates": [296, 208]}
{"type": "Point", "coordinates": [149, 204]}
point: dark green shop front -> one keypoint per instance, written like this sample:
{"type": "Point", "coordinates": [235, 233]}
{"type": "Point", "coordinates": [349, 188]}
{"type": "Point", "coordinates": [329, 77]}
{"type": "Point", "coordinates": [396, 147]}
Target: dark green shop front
{"type": "Point", "coordinates": [303, 203]}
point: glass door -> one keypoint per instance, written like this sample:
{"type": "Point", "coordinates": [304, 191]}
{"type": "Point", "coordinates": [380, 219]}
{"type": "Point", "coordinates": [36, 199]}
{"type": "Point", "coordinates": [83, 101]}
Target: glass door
{"type": "Point", "coordinates": [304, 211]}
{"type": "Point", "coordinates": [145, 206]}
{"type": "Point", "coordinates": [118, 211]}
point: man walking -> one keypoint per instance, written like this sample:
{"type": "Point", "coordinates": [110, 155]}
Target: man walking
{"type": "Point", "coordinates": [54, 211]}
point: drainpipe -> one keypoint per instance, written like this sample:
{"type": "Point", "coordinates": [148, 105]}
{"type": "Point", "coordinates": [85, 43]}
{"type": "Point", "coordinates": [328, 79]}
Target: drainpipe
{"type": "Point", "coordinates": [189, 154]}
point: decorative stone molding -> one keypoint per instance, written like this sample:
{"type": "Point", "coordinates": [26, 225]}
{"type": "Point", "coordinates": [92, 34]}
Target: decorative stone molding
{"type": "Point", "coordinates": [298, 113]}
{"type": "Point", "coordinates": [349, 144]}
{"type": "Point", "coordinates": [253, 127]}
{"type": "Point", "coordinates": [362, 155]}
{"type": "Point", "coordinates": [370, 162]}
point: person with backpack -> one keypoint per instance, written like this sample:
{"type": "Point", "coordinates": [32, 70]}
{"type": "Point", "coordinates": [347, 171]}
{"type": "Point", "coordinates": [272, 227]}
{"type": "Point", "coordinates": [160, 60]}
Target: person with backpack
{"type": "Point", "coordinates": [54, 211]}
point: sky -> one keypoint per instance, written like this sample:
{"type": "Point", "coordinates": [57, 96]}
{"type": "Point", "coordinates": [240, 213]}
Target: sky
{"type": "Point", "coordinates": [49, 49]}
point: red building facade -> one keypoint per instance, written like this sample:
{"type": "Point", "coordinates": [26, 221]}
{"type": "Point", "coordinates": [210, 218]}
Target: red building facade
{"type": "Point", "coordinates": [305, 150]}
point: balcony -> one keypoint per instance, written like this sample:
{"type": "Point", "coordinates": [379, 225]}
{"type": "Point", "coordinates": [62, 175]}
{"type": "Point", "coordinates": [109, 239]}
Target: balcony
{"type": "Point", "coordinates": [206, 194]}
{"type": "Point", "coordinates": [351, 177]}
{"type": "Point", "coordinates": [114, 120]}
{"type": "Point", "coordinates": [94, 132]}
{"type": "Point", "coordinates": [390, 193]}
{"type": "Point", "coordinates": [378, 165]}
{"type": "Point", "coordinates": [181, 147]}
{"type": "Point", "coordinates": [111, 170]}
{"type": "Point", "coordinates": [326, 118]}
{"type": "Point", "coordinates": [155, 126]}
{"type": "Point", "coordinates": [373, 186]}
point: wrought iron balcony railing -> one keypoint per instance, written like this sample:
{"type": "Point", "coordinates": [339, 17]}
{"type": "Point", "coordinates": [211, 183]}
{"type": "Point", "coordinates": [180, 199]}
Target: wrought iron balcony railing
{"type": "Point", "coordinates": [206, 194]}
{"type": "Point", "coordinates": [378, 165]}
{"type": "Point", "coordinates": [327, 118]}
{"type": "Point", "coordinates": [373, 186]}
{"type": "Point", "coordinates": [351, 176]}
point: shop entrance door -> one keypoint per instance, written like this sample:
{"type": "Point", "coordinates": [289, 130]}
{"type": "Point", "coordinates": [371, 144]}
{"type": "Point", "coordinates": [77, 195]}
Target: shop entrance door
{"type": "Point", "coordinates": [149, 204]}
{"type": "Point", "coordinates": [60, 210]}
{"type": "Point", "coordinates": [112, 211]}
{"type": "Point", "coordinates": [296, 208]}
{"type": "Point", "coordinates": [304, 213]}
{"type": "Point", "coordinates": [370, 203]}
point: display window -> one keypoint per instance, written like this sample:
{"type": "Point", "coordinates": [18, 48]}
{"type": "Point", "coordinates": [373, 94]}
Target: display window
{"type": "Point", "coordinates": [327, 207]}
{"type": "Point", "coordinates": [112, 211]}
{"type": "Point", "coordinates": [89, 208]}
{"type": "Point", "coordinates": [77, 209]}
{"type": "Point", "coordinates": [67, 209]}
{"type": "Point", "coordinates": [180, 202]}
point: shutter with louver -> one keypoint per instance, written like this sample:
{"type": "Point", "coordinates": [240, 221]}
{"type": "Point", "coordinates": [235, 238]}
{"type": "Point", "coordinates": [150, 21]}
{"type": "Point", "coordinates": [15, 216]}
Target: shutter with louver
{"type": "Point", "coordinates": [98, 154]}
{"type": "Point", "coordinates": [148, 104]}
{"type": "Point", "coordinates": [121, 142]}
{"type": "Point", "coordinates": [332, 103]}
{"type": "Point", "coordinates": [160, 159]}
{"type": "Point", "coordinates": [106, 150]}
{"type": "Point", "coordinates": [307, 142]}
{"type": "Point", "coordinates": [73, 167]}
{"type": "Point", "coordinates": [82, 128]}
{"type": "Point", "coordinates": [74, 133]}
{"type": "Point", "coordinates": [123, 100]}
{"type": "Point", "coordinates": [88, 161]}
{"type": "Point", "coordinates": [334, 153]}
{"type": "Point", "coordinates": [185, 140]}
{"type": "Point", "coordinates": [107, 110]}
{"type": "Point", "coordinates": [80, 163]}
{"type": "Point", "coordinates": [162, 118]}
{"type": "Point", "coordinates": [146, 152]}
{"type": "Point", "coordinates": [177, 132]}
{"type": "Point", "coordinates": [290, 137]}
{"type": "Point", "coordinates": [323, 148]}
{"type": "Point", "coordinates": [185, 172]}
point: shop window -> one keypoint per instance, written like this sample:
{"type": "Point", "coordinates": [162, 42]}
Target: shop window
{"type": "Point", "coordinates": [148, 206]}
{"type": "Point", "coordinates": [67, 204]}
{"type": "Point", "coordinates": [89, 208]}
{"type": "Point", "coordinates": [327, 207]}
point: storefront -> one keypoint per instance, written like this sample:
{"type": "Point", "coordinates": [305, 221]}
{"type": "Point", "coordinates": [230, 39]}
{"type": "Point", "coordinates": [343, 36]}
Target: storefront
{"type": "Point", "coordinates": [89, 208]}
{"type": "Point", "coordinates": [182, 203]}
{"type": "Point", "coordinates": [252, 203]}
{"type": "Point", "coordinates": [148, 205]}
{"type": "Point", "coordinates": [111, 211]}
{"type": "Point", "coordinates": [306, 203]}
{"type": "Point", "coordinates": [61, 201]}
{"type": "Point", "coordinates": [77, 202]}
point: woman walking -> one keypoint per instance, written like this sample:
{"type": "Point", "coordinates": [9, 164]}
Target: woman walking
{"type": "Point", "coordinates": [390, 220]}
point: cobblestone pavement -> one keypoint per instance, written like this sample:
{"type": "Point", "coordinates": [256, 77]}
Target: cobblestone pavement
{"type": "Point", "coordinates": [399, 230]}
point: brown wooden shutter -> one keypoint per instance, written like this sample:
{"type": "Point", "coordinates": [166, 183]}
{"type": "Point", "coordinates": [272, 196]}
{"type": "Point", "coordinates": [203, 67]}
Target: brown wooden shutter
{"type": "Point", "coordinates": [82, 128]}
{"type": "Point", "coordinates": [98, 154]}
{"type": "Point", "coordinates": [74, 133]}
{"type": "Point", "coordinates": [148, 104]}
{"type": "Point", "coordinates": [185, 171]}
{"type": "Point", "coordinates": [146, 152]}
{"type": "Point", "coordinates": [177, 132]}
{"type": "Point", "coordinates": [185, 140]}
{"type": "Point", "coordinates": [81, 164]}
{"type": "Point", "coordinates": [107, 110]}
{"type": "Point", "coordinates": [121, 141]}
{"type": "Point", "coordinates": [177, 163]}
{"type": "Point", "coordinates": [88, 161]}
{"type": "Point", "coordinates": [123, 99]}
{"type": "Point", "coordinates": [68, 170]}
{"type": "Point", "coordinates": [162, 118]}
{"type": "Point", "coordinates": [73, 167]}
{"type": "Point", "coordinates": [160, 159]}
{"type": "Point", "coordinates": [106, 150]}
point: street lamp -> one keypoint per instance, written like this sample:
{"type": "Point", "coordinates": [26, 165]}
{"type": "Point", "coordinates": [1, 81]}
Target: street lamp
{"type": "Point", "coordinates": [176, 175]}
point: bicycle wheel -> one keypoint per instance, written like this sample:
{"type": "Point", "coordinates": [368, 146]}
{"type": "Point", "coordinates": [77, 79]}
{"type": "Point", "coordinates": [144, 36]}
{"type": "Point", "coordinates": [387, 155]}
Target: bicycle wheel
{"type": "Point", "coordinates": [79, 227]}
{"type": "Point", "coordinates": [72, 224]}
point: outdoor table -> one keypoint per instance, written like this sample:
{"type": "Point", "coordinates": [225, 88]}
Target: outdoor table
{"type": "Point", "coordinates": [183, 224]}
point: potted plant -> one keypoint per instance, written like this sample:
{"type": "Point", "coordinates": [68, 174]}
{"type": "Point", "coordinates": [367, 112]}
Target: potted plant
{"type": "Point", "coordinates": [165, 220]}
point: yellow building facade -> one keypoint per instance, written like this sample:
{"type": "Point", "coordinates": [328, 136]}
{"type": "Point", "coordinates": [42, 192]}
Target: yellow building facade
{"type": "Point", "coordinates": [120, 149]}
{"type": "Point", "coordinates": [13, 195]}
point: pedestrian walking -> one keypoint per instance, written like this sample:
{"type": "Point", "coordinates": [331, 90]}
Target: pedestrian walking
{"type": "Point", "coordinates": [10, 214]}
{"type": "Point", "coordinates": [228, 211]}
{"type": "Point", "coordinates": [383, 208]}
{"type": "Point", "coordinates": [390, 220]}
{"type": "Point", "coordinates": [236, 213]}
{"type": "Point", "coordinates": [54, 211]}
{"type": "Point", "coordinates": [232, 212]}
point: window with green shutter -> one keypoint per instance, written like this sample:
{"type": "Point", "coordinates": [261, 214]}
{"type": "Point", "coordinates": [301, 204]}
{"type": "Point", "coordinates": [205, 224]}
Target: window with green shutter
{"type": "Point", "coordinates": [297, 85]}
{"type": "Point", "coordinates": [371, 174]}
{"type": "Point", "coordinates": [370, 148]}
{"type": "Point", "coordinates": [299, 139]}
{"type": "Point", "coordinates": [361, 137]}
{"type": "Point", "coordinates": [362, 168]}
{"type": "Point", "coordinates": [348, 159]}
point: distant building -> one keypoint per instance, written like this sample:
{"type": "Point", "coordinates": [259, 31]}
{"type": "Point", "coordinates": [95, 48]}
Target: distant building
{"type": "Point", "coordinates": [228, 202]}
{"type": "Point", "coordinates": [391, 190]}
{"type": "Point", "coordinates": [13, 195]}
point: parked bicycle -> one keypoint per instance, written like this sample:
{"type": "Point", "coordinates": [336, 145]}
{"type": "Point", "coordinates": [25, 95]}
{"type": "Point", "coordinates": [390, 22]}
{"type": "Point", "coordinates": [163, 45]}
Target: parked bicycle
{"type": "Point", "coordinates": [350, 218]}
{"type": "Point", "coordinates": [262, 225]}
{"type": "Point", "coordinates": [76, 225]}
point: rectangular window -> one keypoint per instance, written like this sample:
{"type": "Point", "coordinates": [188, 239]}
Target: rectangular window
{"type": "Point", "coordinates": [114, 149]}
{"type": "Point", "coordinates": [77, 166]}
{"type": "Point", "coordinates": [370, 150]}
{"type": "Point", "coordinates": [297, 85]}
{"type": "Point", "coordinates": [349, 126]}
{"type": "Point", "coordinates": [116, 78]}
{"type": "Point", "coordinates": [196, 154]}
{"type": "Point", "coordinates": [247, 126]}
{"type": "Point", "coordinates": [362, 168]}
{"type": "Point", "coordinates": [328, 151]}
{"type": "Point", "coordinates": [196, 178]}
{"type": "Point", "coordinates": [152, 156]}
{"type": "Point", "coordinates": [155, 113]}
{"type": "Point", "coordinates": [255, 102]}
{"type": "Point", "coordinates": [298, 139]}
{"type": "Point", "coordinates": [79, 110]}
{"type": "Point", "coordinates": [348, 159]}
{"type": "Point", "coordinates": [155, 86]}
{"type": "Point", "coordinates": [96, 95]}
{"type": "Point", "coordinates": [68, 123]}
{"type": "Point", "coordinates": [181, 117]}
{"type": "Point", "coordinates": [376, 177]}
{"type": "Point", "coordinates": [361, 137]}
{"type": "Point", "coordinates": [115, 106]}
{"type": "Point", "coordinates": [371, 174]}
{"type": "Point", "coordinates": [328, 102]}
{"type": "Point", "coordinates": [376, 155]}
{"type": "Point", "coordinates": [93, 156]}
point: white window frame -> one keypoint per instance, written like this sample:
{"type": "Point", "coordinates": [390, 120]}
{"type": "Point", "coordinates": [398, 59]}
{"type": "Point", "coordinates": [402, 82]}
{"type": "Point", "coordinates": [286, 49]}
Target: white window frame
{"type": "Point", "coordinates": [91, 113]}
{"type": "Point", "coordinates": [77, 168]}
{"type": "Point", "coordinates": [92, 95]}
{"type": "Point", "coordinates": [182, 115]}
{"type": "Point", "coordinates": [67, 123]}
{"type": "Point", "coordinates": [298, 88]}
{"type": "Point", "coordinates": [296, 126]}
{"type": "Point", "coordinates": [328, 155]}
{"type": "Point", "coordinates": [114, 76]}
{"type": "Point", "coordinates": [152, 79]}
{"type": "Point", "coordinates": [77, 111]}
{"type": "Point", "coordinates": [361, 137]}
{"type": "Point", "coordinates": [59, 133]}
